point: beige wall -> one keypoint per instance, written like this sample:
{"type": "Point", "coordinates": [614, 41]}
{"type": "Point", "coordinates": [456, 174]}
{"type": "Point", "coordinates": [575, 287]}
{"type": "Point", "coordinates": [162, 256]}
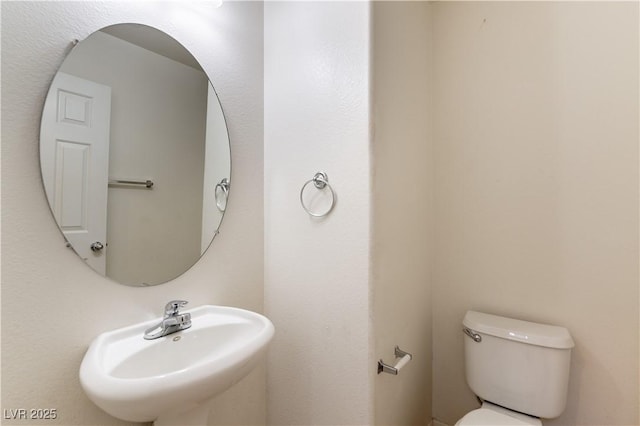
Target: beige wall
{"type": "Point", "coordinates": [402, 238]}
{"type": "Point", "coordinates": [536, 160]}
{"type": "Point", "coordinates": [52, 304]}
{"type": "Point", "coordinates": [320, 367]}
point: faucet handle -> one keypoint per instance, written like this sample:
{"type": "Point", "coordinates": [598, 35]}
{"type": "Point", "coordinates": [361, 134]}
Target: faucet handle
{"type": "Point", "coordinates": [173, 307]}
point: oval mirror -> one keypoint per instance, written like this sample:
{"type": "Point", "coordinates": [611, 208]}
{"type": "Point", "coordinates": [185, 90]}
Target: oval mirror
{"type": "Point", "coordinates": [135, 155]}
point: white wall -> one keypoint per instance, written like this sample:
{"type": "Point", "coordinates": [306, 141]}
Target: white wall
{"type": "Point", "coordinates": [52, 304]}
{"type": "Point", "coordinates": [402, 202]}
{"type": "Point", "coordinates": [320, 368]}
{"type": "Point", "coordinates": [536, 156]}
{"type": "Point", "coordinates": [151, 138]}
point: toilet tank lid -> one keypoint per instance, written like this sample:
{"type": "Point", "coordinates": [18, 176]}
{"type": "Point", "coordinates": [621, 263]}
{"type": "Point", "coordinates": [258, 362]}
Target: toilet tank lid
{"type": "Point", "coordinates": [532, 333]}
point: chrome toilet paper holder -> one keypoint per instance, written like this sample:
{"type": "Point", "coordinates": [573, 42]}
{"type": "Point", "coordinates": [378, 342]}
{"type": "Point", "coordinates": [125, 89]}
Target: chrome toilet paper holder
{"type": "Point", "coordinates": [404, 358]}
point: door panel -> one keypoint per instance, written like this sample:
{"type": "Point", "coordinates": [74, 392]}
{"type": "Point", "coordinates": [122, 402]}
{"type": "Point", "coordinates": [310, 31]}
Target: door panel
{"type": "Point", "coordinates": [75, 166]}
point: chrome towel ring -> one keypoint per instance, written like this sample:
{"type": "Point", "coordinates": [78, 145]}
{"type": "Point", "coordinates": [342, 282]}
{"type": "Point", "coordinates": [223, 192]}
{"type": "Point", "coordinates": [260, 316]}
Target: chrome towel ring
{"type": "Point", "coordinates": [222, 195]}
{"type": "Point", "coordinates": [321, 181]}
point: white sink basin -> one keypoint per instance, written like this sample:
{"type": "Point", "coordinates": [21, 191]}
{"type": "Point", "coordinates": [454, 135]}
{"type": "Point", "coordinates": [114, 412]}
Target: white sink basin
{"type": "Point", "coordinates": [140, 380]}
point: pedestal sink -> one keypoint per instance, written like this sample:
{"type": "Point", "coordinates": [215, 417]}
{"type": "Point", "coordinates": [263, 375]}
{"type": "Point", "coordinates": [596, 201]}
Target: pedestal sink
{"type": "Point", "coordinates": [167, 380]}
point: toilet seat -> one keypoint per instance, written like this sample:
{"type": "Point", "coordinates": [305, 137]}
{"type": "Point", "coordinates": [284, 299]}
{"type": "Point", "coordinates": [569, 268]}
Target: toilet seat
{"type": "Point", "coordinates": [493, 415]}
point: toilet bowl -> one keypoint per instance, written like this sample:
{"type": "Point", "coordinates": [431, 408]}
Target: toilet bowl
{"type": "Point", "coordinates": [521, 367]}
{"type": "Point", "coordinates": [493, 415]}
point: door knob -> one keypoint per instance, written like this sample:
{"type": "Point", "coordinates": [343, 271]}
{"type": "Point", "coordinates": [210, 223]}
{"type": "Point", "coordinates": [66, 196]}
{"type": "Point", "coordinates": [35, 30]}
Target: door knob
{"type": "Point", "coordinates": [97, 246]}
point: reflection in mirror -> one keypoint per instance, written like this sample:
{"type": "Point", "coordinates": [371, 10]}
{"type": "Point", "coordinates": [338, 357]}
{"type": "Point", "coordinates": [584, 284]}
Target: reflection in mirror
{"type": "Point", "coordinates": [133, 148]}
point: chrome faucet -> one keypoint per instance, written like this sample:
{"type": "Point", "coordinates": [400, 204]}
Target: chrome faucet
{"type": "Point", "coordinates": [173, 321]}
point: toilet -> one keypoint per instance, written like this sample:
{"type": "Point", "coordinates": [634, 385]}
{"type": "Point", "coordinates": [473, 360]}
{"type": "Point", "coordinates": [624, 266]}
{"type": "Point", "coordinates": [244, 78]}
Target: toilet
{"type": "Point", "coordinates": [518, 369]}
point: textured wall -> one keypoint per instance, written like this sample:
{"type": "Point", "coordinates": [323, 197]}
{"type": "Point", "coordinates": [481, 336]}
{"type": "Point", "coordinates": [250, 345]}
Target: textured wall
{"type": "Point", "coordinates": [317, 271]}
{"type": "Point", "coordinates": [52, 304]}
{"type": "Point", "coordinates": [536, 155]}
{"type": "Point", "coordinates": [402, 199]}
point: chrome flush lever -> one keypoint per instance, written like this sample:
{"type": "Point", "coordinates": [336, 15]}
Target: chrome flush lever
{"type": "Point", "coordinates": [475, 336]}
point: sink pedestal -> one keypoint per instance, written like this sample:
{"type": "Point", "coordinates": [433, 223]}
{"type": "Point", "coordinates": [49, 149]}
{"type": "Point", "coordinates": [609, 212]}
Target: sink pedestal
{"type": "Point", "coordinates": [197, 415]}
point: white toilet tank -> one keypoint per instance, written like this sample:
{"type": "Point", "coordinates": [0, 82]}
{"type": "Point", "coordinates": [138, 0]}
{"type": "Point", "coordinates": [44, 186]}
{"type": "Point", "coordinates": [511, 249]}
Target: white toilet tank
{"type": "Point", "coordinates": [520, 365]}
